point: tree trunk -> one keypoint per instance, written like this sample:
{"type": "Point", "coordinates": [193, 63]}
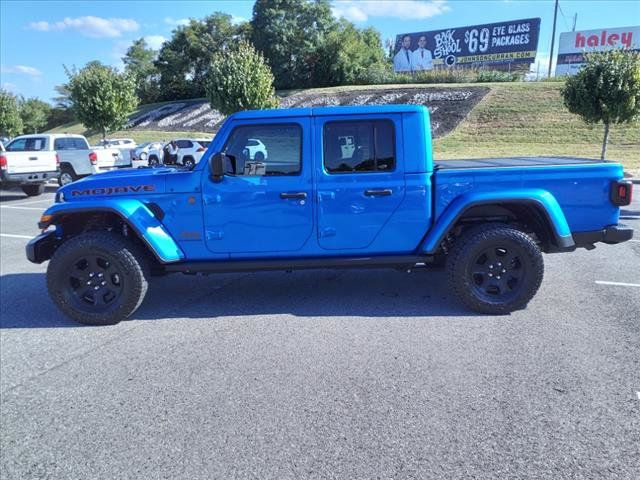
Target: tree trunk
{"type": "Point", "coordinates": [604, 142]}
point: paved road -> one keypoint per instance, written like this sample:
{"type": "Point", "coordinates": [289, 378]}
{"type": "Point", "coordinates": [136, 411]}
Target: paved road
{"type": "Point", "coordinates": [350, 375]}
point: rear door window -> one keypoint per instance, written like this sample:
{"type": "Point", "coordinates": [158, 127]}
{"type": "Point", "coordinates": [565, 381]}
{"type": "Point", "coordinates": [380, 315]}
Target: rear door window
{"type": "Point", "coordinates": [69, 143]}
{"type": "Point", "coordinates": [359, 147]}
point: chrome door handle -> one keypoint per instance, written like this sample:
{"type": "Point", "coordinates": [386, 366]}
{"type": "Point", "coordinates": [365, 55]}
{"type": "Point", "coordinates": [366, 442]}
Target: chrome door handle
{"type": "Point", "coordinates": [293, 195]}
{"type": "Point", "coordinates": [33, 158]}
{"type": "Point", "coordinates": [385, 192]}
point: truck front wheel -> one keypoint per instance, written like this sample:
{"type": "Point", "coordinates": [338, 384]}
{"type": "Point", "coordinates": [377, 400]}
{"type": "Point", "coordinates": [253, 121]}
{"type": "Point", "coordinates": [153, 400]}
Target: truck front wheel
{"type": "Point", "coordinates": [97, 278]}
{"type": "Point", "coordinates": [495, 268]}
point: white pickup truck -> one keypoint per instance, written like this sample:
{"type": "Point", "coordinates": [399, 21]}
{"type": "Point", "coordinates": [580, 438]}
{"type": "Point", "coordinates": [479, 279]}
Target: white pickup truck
{"type": "Point", "coordinates": [78, 160]}
{"type": "Point", "coordinates": [28, 162]}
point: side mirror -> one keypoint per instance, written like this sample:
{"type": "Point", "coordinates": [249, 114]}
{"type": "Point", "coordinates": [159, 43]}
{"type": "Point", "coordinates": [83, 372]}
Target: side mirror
{"type": "Point", "coordinates": [216, 165]}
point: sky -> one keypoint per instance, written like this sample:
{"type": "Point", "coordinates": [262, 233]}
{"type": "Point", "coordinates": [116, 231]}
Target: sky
{"type": "Point", "coordinates": [37, 38]}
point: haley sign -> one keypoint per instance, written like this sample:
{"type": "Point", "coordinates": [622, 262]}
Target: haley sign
{"type": "Point", "coordinates": [490, 44]}
{"type": "Point", "coordinates": [574, 44]}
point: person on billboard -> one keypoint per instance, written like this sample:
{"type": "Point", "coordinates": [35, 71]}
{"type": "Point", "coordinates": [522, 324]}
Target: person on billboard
{"type": "Point", "coordinates": [421, 58]}
{"type": "Point", "coordinates": [402, 60]}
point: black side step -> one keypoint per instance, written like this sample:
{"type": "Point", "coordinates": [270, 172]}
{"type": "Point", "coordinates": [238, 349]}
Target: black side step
{"type": "Point", "coordinates": [226, 266]}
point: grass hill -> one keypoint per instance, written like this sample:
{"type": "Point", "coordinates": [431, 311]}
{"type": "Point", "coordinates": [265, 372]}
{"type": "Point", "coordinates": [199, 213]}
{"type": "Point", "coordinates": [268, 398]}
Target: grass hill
{"type": "Point", "coordinates": [499, 119]}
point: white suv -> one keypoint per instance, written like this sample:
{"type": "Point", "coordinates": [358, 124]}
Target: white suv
{"type": "Point", "coordinates": [255, 150]}
{"type": "Point", "coordinates": [190, 152]}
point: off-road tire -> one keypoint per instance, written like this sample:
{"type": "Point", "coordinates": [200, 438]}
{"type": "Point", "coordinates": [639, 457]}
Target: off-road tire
{"type": "Point", "coordinates": [478, 291]}
{"type": "Point", "coordinates": [33, 189]}
{"type": "Point", "coordinates": [130, 278]}
{"type": "Point", "coordinates": [67, 172]}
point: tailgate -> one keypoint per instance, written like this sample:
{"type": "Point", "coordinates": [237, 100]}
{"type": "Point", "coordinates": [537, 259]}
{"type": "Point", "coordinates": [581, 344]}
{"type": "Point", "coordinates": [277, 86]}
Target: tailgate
{"type": "Point", "coordinates": [109, 158]}
{"type": "Point", "coordinates": [30, 162]}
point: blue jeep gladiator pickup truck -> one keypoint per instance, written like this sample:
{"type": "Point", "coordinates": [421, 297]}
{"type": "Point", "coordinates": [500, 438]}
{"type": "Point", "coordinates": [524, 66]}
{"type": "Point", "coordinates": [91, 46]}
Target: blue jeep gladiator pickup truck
{"type": "Point", "coordinates": [327, 188]}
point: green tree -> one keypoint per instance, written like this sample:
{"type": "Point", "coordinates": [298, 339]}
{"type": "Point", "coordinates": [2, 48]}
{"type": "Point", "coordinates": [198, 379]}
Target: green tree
{"type": "Point", "coordinates": [183, 61]}
{"type": "Point", "coordinates": [139, 63]}
{"type": "Point", "coordinates": [288, 33]}
{"type": "Point", "coordinates": [62, 100]}
{"type": "Point", "coordinates": [10, 121]}
{"type": "Point", "coordinates": [101, 97]}
{"type": "Point", "coordinates": [240, 79]}
{"type": "Point", "coordinates": [346, 54]}
{"type": "Point", "coordinates": [606, 89]}
{"type": "Point", "coordinates": [34, 114]}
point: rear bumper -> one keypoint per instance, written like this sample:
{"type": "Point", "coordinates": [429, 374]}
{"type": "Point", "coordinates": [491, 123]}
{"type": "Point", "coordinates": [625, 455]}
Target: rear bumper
{"type": "Point", "coordinates": [610, 235]}
{"type": "Point", "coordinates": [23, 178]}
{"type": "Point", "coordinates": [41, 248]}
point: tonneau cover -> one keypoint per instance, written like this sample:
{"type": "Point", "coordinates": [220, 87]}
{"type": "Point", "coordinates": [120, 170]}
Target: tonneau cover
{"type": "Point", "coordinates": [514, 162]}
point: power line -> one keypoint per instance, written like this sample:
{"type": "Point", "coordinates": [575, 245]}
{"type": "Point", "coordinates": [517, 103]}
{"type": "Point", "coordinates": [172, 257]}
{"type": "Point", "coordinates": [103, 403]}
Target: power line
{"type": "Point", "coordinates": [564, 19]}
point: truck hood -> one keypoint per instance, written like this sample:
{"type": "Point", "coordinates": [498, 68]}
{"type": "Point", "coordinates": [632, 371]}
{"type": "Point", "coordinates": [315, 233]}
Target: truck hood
{"type": "Point", "coordinates": [125, 182]}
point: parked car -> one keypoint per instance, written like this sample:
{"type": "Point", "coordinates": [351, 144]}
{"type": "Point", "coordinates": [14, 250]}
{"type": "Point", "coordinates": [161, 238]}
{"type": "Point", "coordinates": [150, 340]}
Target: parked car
{"type": "Point", "coordinates": [315, 204]}
{"type": "Point", "coordinates": [141, 152]}
{"type": "Point", "coordinates": [190, 152]}
{"type": "Point", "coordinates": [28, 161]}
{"type": "Point", "coordinates": [78, 160]}
{"type": "Point", "coordinates": [255, 150]}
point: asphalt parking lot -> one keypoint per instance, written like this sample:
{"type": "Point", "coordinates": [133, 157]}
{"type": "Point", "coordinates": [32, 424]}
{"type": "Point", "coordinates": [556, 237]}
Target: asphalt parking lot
{"type": "Point", "coordinates": [325, 374]}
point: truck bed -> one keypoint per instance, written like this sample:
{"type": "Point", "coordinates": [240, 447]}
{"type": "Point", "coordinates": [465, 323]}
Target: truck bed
{"type": "Point", "coordinates": [468, 163]}
{"type": "Point", "coordinates": [580, 185]}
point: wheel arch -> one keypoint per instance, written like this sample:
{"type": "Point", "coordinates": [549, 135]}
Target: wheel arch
{"type": "Point", "coordinates": [535, 211]}
{"type": "Point", "coordinates": [134, 218]}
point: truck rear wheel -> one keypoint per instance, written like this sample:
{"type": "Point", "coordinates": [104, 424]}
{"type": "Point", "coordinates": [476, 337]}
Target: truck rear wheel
{"type": "Point", "coordinates": [495, 268]}
{"type": "Point", "coordinates": [33, 189]}
{"type": "Point", "coordinates": [67, 176]}
{"type": "Point", "coordinates": [98, 278]}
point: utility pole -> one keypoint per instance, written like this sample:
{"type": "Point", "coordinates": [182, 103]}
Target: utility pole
{"type": "Point", "coordinates": [575, 19]}
{"type": "Point", "coordinates": [553, 37]}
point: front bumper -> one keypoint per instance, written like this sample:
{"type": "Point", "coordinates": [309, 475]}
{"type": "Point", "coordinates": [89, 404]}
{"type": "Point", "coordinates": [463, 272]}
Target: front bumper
{"type": "Point", "coordinates": [41, 248]}
{"type": "Point", "coordinates": [610, 235]}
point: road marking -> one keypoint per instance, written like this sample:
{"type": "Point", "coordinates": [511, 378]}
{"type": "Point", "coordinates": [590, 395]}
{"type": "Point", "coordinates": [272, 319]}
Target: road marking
{"type": "Point", "coordinates": [618, 284]}
{"type": "Point", "coordinates": [16, 236]}
{"type": "Point", "coordinates": [638, 394]}
{"type": "Point", "coordinates": [23, 208]}
{"type": "Point", "coordinates": [30, 203]}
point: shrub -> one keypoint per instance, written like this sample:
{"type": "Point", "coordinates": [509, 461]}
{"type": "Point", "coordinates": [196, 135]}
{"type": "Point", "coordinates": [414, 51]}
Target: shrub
{"type": "Point", "coordinates": [240, 79]}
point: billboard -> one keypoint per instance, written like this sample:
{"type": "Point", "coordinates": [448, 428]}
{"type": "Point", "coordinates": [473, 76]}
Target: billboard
{"type": "Point", "coordinates": [513, 42]}
{"type": "Point", "coordinates": [573, 44]}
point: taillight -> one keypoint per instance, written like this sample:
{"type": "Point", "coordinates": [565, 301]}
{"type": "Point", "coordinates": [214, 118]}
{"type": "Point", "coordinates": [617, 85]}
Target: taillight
{"type": "Point", "coordinates": [93, 158]}
{"type": "Point", "coordinates": [201, 149]}
{"type": "Point", "coordinates": [3, 162]}
{"type": "Point", "coordinates": [57, 160]}
{"type": "Point", "coordinates": [621, 192]}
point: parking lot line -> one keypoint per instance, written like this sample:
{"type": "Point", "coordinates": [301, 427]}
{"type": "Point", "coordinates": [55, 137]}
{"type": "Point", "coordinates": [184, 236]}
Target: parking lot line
{"type": "Point", "coordinates": [48, 200]}
{"type": "Point", "coordinates": [9, 235]}
{"type": "Point", "coordinates": [22, 208]}
{"type": "Point", "coordinates": [618, 284]}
